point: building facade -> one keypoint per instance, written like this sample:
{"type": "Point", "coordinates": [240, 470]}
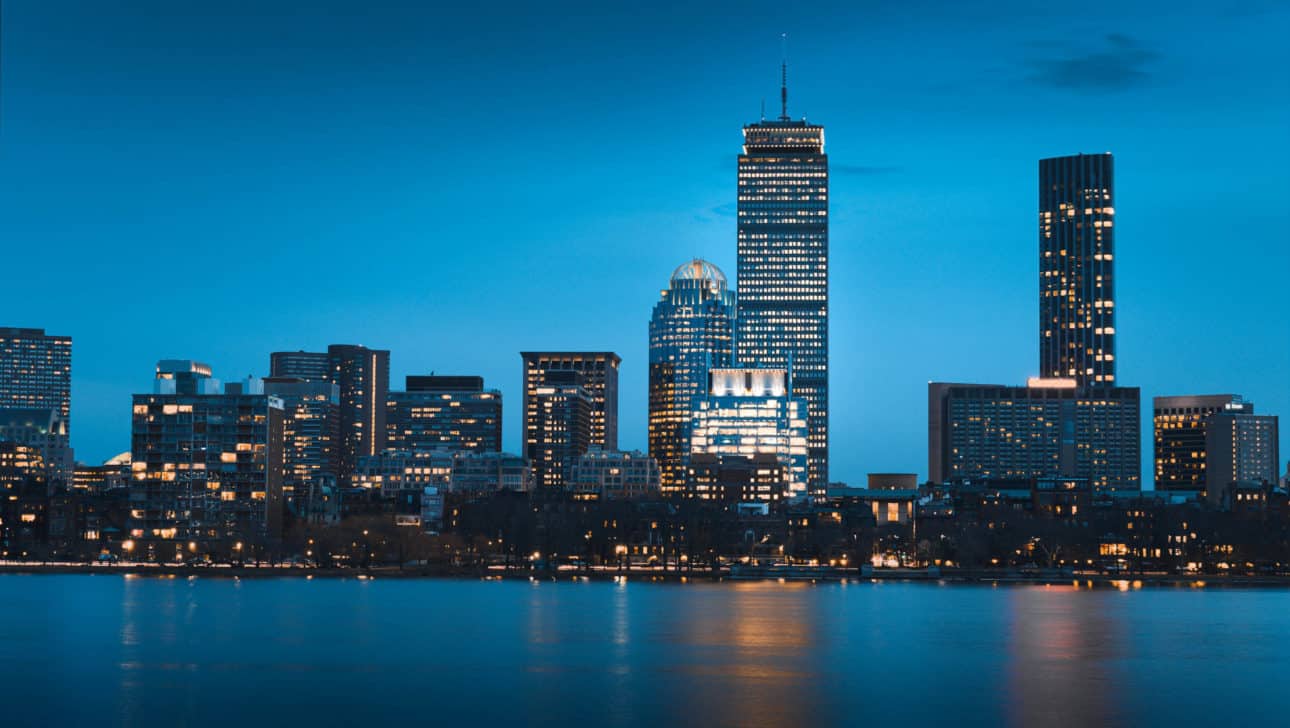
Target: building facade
{"type": "Point", "coordinates": [748, 412]}
{"type": "Point", "coordinates": [1239, 448]}
{"type": "Point", "coordinates": [1077, 268]}
{"type": "Point", "coordinates": [487, 472]}
{"type": "Point", "coordinates": [559, 426]}
{"type": "Point", "coordinates": [35, 371]}
{"type": "Point", "coordinates": [1180, 425]}
{"type": "Point", "coordinates": [783, 267]}
{"type": "Point", "coordinates": [599, 377]}
{"type": "Point", "coordinates": [1047, 429]}
{"type": "Point", "coordinates": [206, 467]}
{"type": "Point", "coordinates": [691, 331]}
{"type": "Point", "coordinates": [735, 478]}
{"type": "Point", "coordinates": [398, 473]}
{"type": "Point", "coordinates": [46, 431]}
{"type": "Point", "coordinates": [438, 411]}
{"type": "Point", "coordinates": [614, 475]}
{"type": "Point", "coordinates": [363, 376]}
{"type": "Point", "coordinates": [311, 430]}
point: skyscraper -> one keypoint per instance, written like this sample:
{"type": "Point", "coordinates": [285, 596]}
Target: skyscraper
{"type": "Point", "coordinates": [691, 331]}
{"type": "Point", "coordinates": [311, 430]}
{"type": "Point", "coordinates": [456, 413]}
{"type": "Point", "coordinates": [783, 232]}
{"type": "Point", "coordinates": [35, 371]}
{"type": "Point", "coordinates": [363, 376]}
{"type": "Point", "coordinates": [1076, 268]}
{"type": "Point", "coordinates": [599, 371]}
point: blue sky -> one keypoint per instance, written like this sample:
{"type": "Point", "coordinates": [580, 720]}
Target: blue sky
{"type": "Point", "coordinates": [221, 180]}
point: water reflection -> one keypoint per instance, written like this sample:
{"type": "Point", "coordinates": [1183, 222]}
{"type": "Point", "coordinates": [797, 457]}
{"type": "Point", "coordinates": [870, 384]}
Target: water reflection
{"type": "Point", "coordinates": [1061, 648]}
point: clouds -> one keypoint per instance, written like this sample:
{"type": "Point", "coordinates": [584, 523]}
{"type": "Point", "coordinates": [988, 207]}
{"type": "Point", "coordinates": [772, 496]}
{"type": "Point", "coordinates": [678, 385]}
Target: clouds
{"type": "Point", "coordinates": [1121, 63]}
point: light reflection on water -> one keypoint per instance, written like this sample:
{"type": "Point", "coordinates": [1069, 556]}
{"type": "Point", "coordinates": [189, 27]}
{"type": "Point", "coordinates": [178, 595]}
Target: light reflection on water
{"type": "Point", "coordinates": [335, 652]}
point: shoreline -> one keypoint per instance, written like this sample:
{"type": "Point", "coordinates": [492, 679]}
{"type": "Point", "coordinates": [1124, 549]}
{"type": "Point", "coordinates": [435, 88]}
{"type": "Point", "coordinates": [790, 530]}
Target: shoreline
{"type": "Point", "coordinates": [944, 577]}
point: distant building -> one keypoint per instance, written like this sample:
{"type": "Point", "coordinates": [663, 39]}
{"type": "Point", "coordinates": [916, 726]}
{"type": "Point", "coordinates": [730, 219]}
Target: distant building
{"type": "Point", "coordinates": [35, 371]}
{"type": "Point", "coordinates": [21, 467]}
{"type": "Point", "coordinates": [893, 481]}
{"type": "Point", "coordinates": [599, 377]}
{"type": "Point", "coordinates": [450, 412]}
{"type": "Point", "coordinates": [890, 506]}
{"type": "Point", "coordinates": [732, 478]}
{"type": "Point", "coordinates": [614, 475]}
{"type": "Point", "coordinates": [487, 472]}
{"type": "Point", "coordinates": [1244, 447]}
{"type": "Point", "coordinates": [113, 473]}
{"type": "Point", "coordinates": [311, 430]}
{"type": "Point", "coordinates": [754, 411]}
{"type": "Point", "coordinates": [207, 467]}
{"type": "Point", "coordinates": [558, 430]}
{"type": "Point", "coordinates": [363, 376]}
{"type": "Point", "coordinates": [690, 332]}
{"type": "Point", "coordinates": [1239, 448]}
{"type": "Point", "coordinates": [397, 473]}
{"type": "Point", "coordinates": [1077, 268]}
{"type": "Point", "coordinates": [46, 431]}
{"type": "Point", "coordinates": [1047, 429]}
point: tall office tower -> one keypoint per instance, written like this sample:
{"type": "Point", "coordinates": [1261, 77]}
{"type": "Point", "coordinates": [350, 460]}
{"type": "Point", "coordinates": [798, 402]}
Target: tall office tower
{"type": "Point", "coordinates": [456, 413]}
{"type": "Point", "coordinates": [1077, 268]}
{"type": "Point", "coordinates": [1050, 428]}
{"type": "Point", "coordinates": [558, 429]}
{"type": "Point", "coordinates": [35, 371]}
{"type": "Point", "coordinates": [1212, 440]}
{"type": "Point", "coordinates": [691, 331]}
{"type": "Point", "coordinates": [783, 231]}
{"type": "Point", "coordinates": [311, 431]}
{"type": "Point", "coordinates": [207, 466]}
{"type": "Point", "coordinates": [750, 412]}
{"type": "Point", "coordinates": [599, 370]}
{"type": "Point", "coordinates": [363, 376]}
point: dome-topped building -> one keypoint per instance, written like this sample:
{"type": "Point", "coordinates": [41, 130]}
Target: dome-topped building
{"type": "Point", "coordinates": [691, 331]}
{"type": "Point", "coordinates": [699, 270]}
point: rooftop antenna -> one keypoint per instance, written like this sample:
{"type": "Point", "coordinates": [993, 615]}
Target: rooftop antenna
{"type": "Point", "coordinates": [783, 77]}
{"type": "Point", "coordinates": [763, 109]}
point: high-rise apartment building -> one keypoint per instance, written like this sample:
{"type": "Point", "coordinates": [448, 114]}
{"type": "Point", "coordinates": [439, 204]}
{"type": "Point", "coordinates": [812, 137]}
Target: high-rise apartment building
{"type": "Point", "coordinates": [783, 273]}
{"type": "Point", "coordinates": [1051, 428]}
{"type": "Point", "coordinates": [750, 412]}
{"type": "Point", "coordinates": [35, 371]}
{"type": "Point", "coordinates": [363, 376]}
{"type": "Point", "coordinates": [558, 430]}
{"type": "Point", "coordinates": [599, 377]}
{"type": "Point", "coordinates": [456, 413]}
{"type": "Point", "coordinates": [207, 466]}
{"type": "Point", "coordinates": [1077, 268]}
{"type": "Point", "coordinates": [691, 331]}
{"type": "Point", "coordinates": [311, 431]}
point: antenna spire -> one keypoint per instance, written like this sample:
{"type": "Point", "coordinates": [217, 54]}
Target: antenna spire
{"type": "Point", "coordinates": [783, 77]}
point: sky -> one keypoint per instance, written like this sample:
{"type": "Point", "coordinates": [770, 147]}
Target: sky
{"type": "Point", "coordinates": [217, 181]}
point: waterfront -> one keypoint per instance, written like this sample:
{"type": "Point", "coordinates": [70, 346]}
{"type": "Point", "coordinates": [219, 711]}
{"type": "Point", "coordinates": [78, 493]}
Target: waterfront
{"type": "Point", "coordinates": [115, 650]}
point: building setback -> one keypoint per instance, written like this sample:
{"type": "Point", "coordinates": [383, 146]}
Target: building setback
{"type": "Point", "coordinates": [1077, 268]}
{"type": "Point", "coordinates": [599, 377]}
{"type": "Point", "coordinates": [444, 412]}
{"type": "Point", "coordinates": [752, 412]}
{"type": "Point", "coordinates": [690, 332]}
{"type": "Point", "coordinates": [1048, 429]}
{"type": "Point", "coordinates": [206, 466]}
{"type": "Point", "coordinates": [783, 272]}
{"type": "Point", "coordinates": [35, 371]}
{"type": "Point", "coordinates": [363, 376]}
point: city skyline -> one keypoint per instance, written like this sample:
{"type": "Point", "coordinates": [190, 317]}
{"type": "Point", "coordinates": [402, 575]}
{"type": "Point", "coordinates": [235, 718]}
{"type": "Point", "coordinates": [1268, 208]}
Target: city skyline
{"type": "Point", "coordinates": [929, 337]}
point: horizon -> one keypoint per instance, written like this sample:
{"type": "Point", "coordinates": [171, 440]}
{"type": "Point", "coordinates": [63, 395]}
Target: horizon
{"type": "Point", "coordinates": [141, 159]}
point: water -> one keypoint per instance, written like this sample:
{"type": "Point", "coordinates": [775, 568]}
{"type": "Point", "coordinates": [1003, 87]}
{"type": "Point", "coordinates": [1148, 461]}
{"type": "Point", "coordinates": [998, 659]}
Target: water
{"type": "Point", "coordinates": [112, 650]}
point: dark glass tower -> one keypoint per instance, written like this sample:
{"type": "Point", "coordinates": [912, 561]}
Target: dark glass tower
{"type": "Point", "coordinates": [35, 370]}
{"type": "Point", "coordinates": [363, 376]}
{"type": "Point", "coordinates": [691, 331]}
{"type": "Point", "coordinates": [1076, 268]}
{"type": "Point", "coordinates": [783, 229]}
